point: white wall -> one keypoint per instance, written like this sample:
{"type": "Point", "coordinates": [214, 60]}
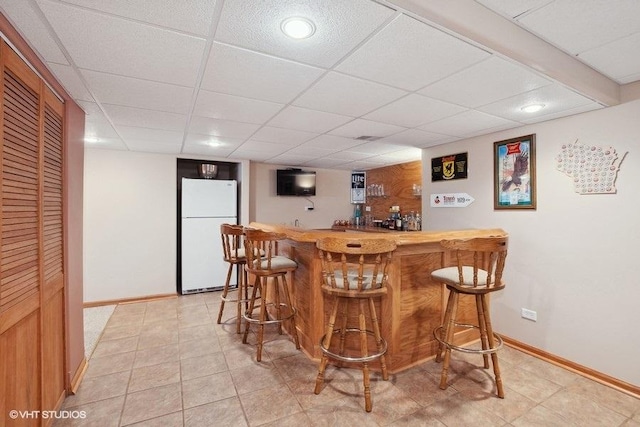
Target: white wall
{"type": "Point", "coordinates": [331, 200]}
{"type": "Point", "coordinates": [574, 259]}
{"type": "Point", "coordinates": [130, 223]}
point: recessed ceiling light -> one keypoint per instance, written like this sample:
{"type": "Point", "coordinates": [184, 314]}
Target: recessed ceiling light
{"type": "Point", "coordinates": [213, 144]}
{"type": "Point", "coordinates": [532, 108]}
{"type": "Point", "coordinates": [298, 28]}
{"type": "Point", "coordinates": [91, 139]}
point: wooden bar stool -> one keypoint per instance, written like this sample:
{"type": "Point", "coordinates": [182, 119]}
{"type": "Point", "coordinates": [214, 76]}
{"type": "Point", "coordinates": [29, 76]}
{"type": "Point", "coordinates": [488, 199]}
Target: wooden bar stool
{"type": "Point", "coordinates": [478, 271]}
{"type": "Point", "coordinates": [354, 273]}
{"type": "Point", "coordinates": [269, 269]}
{"type": "Point", "coordinates": [234, 255]}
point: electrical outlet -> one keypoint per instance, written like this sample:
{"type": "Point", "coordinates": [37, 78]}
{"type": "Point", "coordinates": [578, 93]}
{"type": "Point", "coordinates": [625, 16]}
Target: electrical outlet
{"type": "Point", "coordinates": [367, 208]}
{"type": "Point", "coordinates": [529, 314]}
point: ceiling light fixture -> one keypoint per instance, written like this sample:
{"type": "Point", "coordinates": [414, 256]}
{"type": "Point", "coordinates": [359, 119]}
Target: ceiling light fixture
{"type": "Point", "coordinates": [533, 108]}
{"type": "Point", "coordinates": [298, 28]}
{"type": "Point", "coordinates": [91, 140]}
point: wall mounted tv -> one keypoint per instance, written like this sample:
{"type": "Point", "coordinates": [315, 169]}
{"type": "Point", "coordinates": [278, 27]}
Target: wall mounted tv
{"type": "Point", "coordinates": [295, 182]}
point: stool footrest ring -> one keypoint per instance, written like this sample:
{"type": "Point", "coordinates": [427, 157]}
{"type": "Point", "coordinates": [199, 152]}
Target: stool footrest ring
{"type": "Point", "coordinates": [249, 318]}
{"type": "Point", "coordinates": [438, 331]}
{"type": "Point", "coordinates": [343, 358]}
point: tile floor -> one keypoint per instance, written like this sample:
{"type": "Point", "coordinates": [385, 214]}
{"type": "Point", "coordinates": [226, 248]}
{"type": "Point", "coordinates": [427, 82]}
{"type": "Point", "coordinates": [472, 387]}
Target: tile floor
{"type": "Point", "coordinates": [167, 363]}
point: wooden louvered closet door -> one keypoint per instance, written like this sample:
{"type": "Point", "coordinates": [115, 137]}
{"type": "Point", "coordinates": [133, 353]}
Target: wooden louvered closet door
{"type": "Point", "coordinates": [31, 244]}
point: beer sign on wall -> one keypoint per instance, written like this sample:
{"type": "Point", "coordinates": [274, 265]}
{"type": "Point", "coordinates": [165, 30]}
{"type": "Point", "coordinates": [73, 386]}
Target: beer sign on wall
{"type": "Point", "coordinates": [445, 168]}
{"type": "Point", "coordinates": [358, 185]}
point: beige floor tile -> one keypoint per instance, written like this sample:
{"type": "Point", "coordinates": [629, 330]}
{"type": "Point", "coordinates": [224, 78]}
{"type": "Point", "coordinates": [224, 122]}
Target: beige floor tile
{"type": "Point", "coordinates": [99, 388]}
{"type": "Point", "coordinates": [455, 411]}
{"type": "Point", "coordinates": [104, 413]}
{"type": "Point", "coordinates": [269, 404]}
{"type": "Point", "coordinates": [344, 412]}
{"type": "Point", "coordinates": [118, 331]}
{"type": "Point", "coordinates": [158, 338]}
{"type": "Point", "coordinates": [550, 372]}
{"type": "Point", "coordinates": [170, 420]}
{"type": "Point", "coordinates": [109, 347]}
{"type": "Point", "coordinates": [157, 355]}
{"type": "Point", "coordinates": [423, 386]}
{"type": "Point", "coordinates": [529, 384]}
{"type": "Point", "coordinates": [296, 420]}
{"type": "Point", "coordinates": [256, 377]}
{"type": "Point", "coordinates": [582, 410]}
{"type": "Point", "coordinates": [198, 332]}
{"type": "Point", "coordinates": [201, 366]}
{"type": "Point", "coordinates": [110, 364]}
{"type": "Point", "coordinates": [420, 418]}
{"type": "Point", "coordinates": [203, 390]}
{"type": "Point", "coordinates": [540, 416]}
{"type": "Point", "coordinates": [298, 366]}
{"type": "Point", "coordinates": [125, 319]}
{"type": "Point", "coordinates": [607, 397]}
{"type": "Point", "coordinates": [152, 403]}
{"type": "Point", "coordinates": [154, 376]}
{"type": "Point", "coordinates": [227, 413]}
{"type": "Point", "coordinates": [199, 347]}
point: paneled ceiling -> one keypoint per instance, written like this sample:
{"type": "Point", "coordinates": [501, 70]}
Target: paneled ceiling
{"type": "Point", "coordinates": [377, 81]}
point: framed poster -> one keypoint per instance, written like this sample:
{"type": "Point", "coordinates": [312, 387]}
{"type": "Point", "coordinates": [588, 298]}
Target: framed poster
{"type": "Point", "coordinates": [514, 173]}
{"type": "Point", "coordinates": [358, 186]}
{"type": "Point", "coordinates": [445, 168]}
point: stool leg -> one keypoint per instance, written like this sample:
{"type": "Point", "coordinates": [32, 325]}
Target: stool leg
{"type": "Point", "coordinates": [241, 286]}
{"type": "Point", "coordinates": [263, 317]}
{"type": "Point", "coordinates": [343, 327]}
{"type": "Point", "coordinates": [378, 336]}
{"type": "Point", "coordinates": [364, 352]}
{"type": "Point", "coordinates": [225, 291]}
{"type": "Point", "coordinates": [276, 298]}
{"type": "Point", "coordinates": [289, 302]}
{"type": "Point", "coordinates": [483, 329]}
{"type": "Point", "coordinates": [249, 312]}
{"type": "Point", "coordinates": [494, 355]}
{"type": "Point", "coordinates": [448, 338]}
{"type": "Point", "coordinates": [326, 343]}
{"type": "Point", "coordinates": [445, 322]}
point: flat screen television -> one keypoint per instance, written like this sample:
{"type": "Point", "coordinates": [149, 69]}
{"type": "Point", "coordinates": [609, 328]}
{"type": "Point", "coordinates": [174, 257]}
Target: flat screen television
{"type": "Point", "coordinates": [295, 182]}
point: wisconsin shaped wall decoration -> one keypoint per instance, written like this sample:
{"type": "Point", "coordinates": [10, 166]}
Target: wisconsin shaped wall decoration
{"type": "Point", "coordinates": [593, 169]}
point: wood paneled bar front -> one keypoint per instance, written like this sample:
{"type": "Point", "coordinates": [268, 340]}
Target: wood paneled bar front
{"type": "Point", "coordinates": [414, 304]}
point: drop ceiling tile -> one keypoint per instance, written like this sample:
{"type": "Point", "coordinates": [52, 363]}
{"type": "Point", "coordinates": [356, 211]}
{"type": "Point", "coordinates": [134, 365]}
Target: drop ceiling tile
{"type": "Point", "coordinates": [99, 127]}
{"type": "Point", "coordinates": [153, 147]}
{"type": "Point", "coordinates": [311, 150]}
{"type": "Point", "coordinates": [70, 81]}
{"type": "Point", "coordinates": [402, 156]}
{"type": "Point", "coordinates": [24, 17]}
{"type": "Point", "coordinates": [576, 26]}
{"type": "Point", "coordinates": [350, 96]}
{"type": "Point", "coordinates": [324, 163]}
{"type": "Point", "coordinates": [283, 136]}
{"type": "Point", "coordinates": [577, 110]}
{"type": "Point", "coordinates": [193, 16]}
{"type": "Point", "coordinates": [129, 133]}
{"type": "Point", "coordinates": [212, 142]}
{"type": "Point", "coordinates": [256, 156]}
{"type": "Point", "coordinates": [417, 138]}
{"type": "Point", "coordinates": [290, 159]}
{"type": "Point", "coordinates": [361, 127]}
{"type": "Point", "coordinates": [107, 144]}
{"type": "Point", "coordinates": [129, 116]}
{"type": "Point", "coordinates": [484, 83]}
{"type": "Point", "coordinates": [340, 26]}
{"type": "Point", "coordinates": [114, 45]}
{"type": "Point", "coordinates": [308, 120]}
{"type": "Point", "coordinates": [229, 107]}
{"type": "Point", "coordinates": [263, 147]}
{"type": "Point", "coordinates": [374, 148]}
{"type": "Point", "coordinates": [348, 156]}
{"type": "Point", "coordinates": [91, 109]}
{"type": "Point", "coordinates": [555, 97]}
{"type": "Point", "coordinates": [619, 59]}
{"type": "Point", "coordinates": [250, 74]}
{"type": "Point", "coordinates": [410, 54]}
{"type": "Point", "coordinates": [132, 92]}
{"type": "Point", "coordinates": [225, 128]}
{"type": "Point", "coordinates": [331, 142]}
{"type": "Point", "coordinates": [513, 8]}
{"type": "Point", "coordinates": [414, 110]}
{"type": "Point", "coordinates": [363, 165]}
{"type": "Point", "coordinates": [206, 150]}
{"type": "Point", "coordinates": [468, 123]}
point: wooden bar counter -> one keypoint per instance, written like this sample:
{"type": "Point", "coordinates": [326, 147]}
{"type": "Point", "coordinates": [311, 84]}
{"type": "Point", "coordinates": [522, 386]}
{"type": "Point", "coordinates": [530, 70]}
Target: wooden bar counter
{"type": "Point", "coordinates": [413, 306]}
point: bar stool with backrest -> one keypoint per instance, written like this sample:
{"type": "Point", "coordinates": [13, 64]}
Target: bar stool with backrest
{"type": "Point", "coordinates": [479, 264]}
{"type": "Point", "coordinates": [232, 236]}
{"type": "Point", "coordinates": [270, 272]}
{"type": "Point", "coordinates": [354, 273]}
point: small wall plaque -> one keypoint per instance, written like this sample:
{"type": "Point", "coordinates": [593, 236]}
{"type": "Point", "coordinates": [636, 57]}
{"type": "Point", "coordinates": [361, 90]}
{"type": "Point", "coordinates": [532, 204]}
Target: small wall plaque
{"type": "Point", "coordinates": [445, 168]}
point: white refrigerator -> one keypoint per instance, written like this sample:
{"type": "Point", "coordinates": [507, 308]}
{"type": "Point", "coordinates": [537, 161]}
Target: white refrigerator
{"type": "Point", "coordinates": [205, 205]}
